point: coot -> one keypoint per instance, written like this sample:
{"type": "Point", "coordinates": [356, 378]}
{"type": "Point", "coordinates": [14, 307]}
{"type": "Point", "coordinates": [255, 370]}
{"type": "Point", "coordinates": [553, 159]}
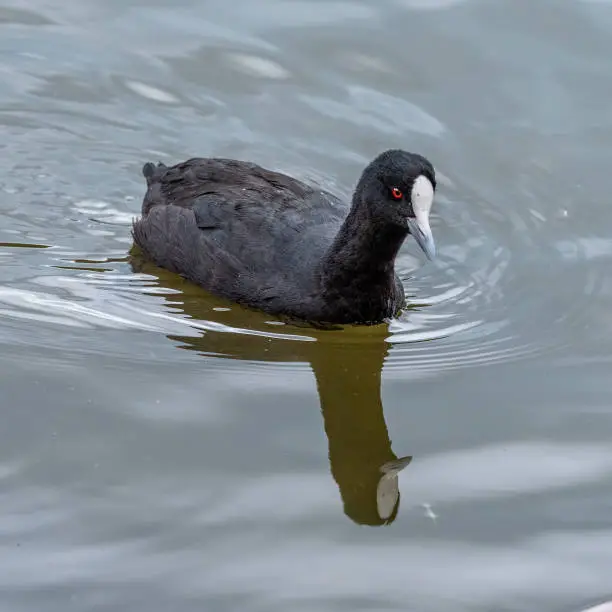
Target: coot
{"type": "Point", "coordinates": [269, 241]}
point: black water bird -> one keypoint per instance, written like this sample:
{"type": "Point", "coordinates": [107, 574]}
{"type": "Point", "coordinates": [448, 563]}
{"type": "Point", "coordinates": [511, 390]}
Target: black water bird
{"type": "Point", "coordinates": [266, 240]}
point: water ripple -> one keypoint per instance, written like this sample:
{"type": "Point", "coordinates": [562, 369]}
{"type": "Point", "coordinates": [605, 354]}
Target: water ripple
{"type": "Point", "coordinates": [469, 308]}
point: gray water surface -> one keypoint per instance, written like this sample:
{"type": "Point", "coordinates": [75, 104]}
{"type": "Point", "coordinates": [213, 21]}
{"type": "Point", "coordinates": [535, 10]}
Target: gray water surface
{"type": "Point", "coordinates": [161, 449]}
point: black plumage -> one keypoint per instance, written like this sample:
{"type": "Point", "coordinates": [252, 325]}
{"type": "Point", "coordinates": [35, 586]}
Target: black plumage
{"type": "Point", "coordinates": [269, 241]}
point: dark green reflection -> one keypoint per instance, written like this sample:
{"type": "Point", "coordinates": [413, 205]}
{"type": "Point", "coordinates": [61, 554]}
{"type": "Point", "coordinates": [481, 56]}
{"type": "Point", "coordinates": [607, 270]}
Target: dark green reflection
{"type": "Point", "coordinates": [361, 460]}
{"type": "Point", "coordinates": [22, 245]}
{"type": "Point", "coordinates": [347, 364]}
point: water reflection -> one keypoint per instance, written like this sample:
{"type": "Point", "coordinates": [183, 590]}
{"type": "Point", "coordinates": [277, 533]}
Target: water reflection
{"type": "Point", "coordinates": [347, 364]}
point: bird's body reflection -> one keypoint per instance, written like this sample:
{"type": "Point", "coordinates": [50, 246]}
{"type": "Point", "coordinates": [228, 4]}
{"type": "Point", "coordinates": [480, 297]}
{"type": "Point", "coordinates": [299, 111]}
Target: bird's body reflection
{"type": "Point", "coordinates": [361, 460]}
{"type": "Point", "coordinates": [347, 365]}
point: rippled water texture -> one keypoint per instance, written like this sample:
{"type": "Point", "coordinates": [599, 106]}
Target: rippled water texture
{"type": "Point", "coordinates": [162, 449]}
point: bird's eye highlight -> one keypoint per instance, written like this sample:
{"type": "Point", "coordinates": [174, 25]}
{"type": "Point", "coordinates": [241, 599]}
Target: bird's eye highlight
{"type": "Point", "coordinates": [397, 193]}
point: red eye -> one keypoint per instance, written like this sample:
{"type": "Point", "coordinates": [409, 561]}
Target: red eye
{"type": "Point", "coordinates": [396, 193]}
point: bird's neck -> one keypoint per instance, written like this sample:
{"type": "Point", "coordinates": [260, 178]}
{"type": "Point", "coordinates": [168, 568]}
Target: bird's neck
{"type": "Point", "coordinates": [360, 264]}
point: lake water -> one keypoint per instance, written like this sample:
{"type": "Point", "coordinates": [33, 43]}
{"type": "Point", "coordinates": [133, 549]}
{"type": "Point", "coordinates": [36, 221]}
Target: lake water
{"type": "Point", "coordinates": [161, 449]}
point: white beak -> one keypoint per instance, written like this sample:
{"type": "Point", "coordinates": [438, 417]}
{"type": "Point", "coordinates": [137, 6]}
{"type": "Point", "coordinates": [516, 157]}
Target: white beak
{"type": "Point", "coordinates": [422, 199]}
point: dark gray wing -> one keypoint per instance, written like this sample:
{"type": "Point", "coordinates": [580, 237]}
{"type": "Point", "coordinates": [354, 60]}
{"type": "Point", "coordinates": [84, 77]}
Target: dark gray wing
{"type": "Point", "coordinates": [234, 227]}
